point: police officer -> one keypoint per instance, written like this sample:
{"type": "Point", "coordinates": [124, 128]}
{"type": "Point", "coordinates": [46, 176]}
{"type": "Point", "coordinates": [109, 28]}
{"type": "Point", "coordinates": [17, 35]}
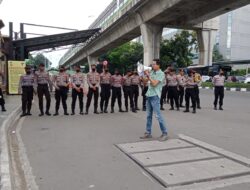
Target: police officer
{"type": "Point", "coordinates": [93, 79]}
{"type": "Point", "coordinates": [144, 85]}
{"type": "Point", "coordinates": [77, 83]}
{"type": "Point", "coordinates": [2, 102]}
{"type": "Point", "coordinates": [164, 92]}
{"type": "Point", "coordinates": [181, 81]}
{"type": "Point", "coordinates": [135, 82]}
{"type": "Point", "coordinates": [172, 83]}
{"type": "Point", "coordinates": [61, 83]}
{"type": "Point", "coordinates": [105, 78]}
{"type": "Point", "coordinates": [190, 92]}
{"type": "Point", "coordinates": [116, 83]}
{"type": "Point", "coordinates": [26, 87]}
{"type": "Point", "coordinates": [128, 91]}
{"type": "Point", "coordinates": [218, 82]}
{"type": "Point", "coordinates": [43, 83]}
{"type": "Point", "coordinates": [197, 80]}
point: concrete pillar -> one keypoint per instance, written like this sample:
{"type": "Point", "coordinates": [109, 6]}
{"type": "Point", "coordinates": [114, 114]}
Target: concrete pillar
{"type": "Point", "coordinates": [206, 42]}
{"type": "Point", "coordinates": [151, 37]}
{"type": "Point", "coordinates": [92, 60]}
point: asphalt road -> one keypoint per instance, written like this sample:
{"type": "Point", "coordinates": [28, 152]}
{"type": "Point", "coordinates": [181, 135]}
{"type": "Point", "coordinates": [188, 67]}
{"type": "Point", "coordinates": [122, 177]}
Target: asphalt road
{"type": "Point", "coordinates": [78, 152]}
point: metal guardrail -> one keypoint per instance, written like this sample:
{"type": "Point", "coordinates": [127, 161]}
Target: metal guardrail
{"type": "Point", "coordinates": [103, 22]}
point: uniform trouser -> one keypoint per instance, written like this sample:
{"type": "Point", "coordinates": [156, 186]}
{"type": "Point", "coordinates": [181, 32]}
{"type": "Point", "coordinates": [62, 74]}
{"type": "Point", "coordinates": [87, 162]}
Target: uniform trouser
{"type": "Point", "coordinates": [197, 95]}
{"type": "Point", "coordinates": [2, 102]}
{"type": "Point", "coordinates": [163, 94]}
{"type": "Point", "coordinates": [61, 94]}
{"type": "Point", "coordinates": [135, 92]}
{"type": "Point", "coordinates": [144, 97]}
{"type": "Point", "coordinates": [128, 94]}
{"type": "Point", "coordinates": [43, 90]}
{"type": "Point", "coordinates": [181, 95]}
{"type": "Point", "coordinates": [190, 93]}
{"type": "Point", "coordinates": [173, 95]}
{"type": "Point", "coordinates": [76, 94]}
{"type": "Point", "coordinates": [89, 98]}
{"type": "Point", "coordinates": [27, 97]}
{"type": "Point", "coordinates": [105, 96]}
{"type": "Point", "coordinates": [116, 94]}
{"type": "Point", "coordinates": [219, 94]}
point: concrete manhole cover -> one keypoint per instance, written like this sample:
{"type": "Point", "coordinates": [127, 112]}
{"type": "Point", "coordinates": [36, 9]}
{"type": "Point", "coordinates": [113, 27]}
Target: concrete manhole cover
{"type": "Point", "coordinates": [179, 163]}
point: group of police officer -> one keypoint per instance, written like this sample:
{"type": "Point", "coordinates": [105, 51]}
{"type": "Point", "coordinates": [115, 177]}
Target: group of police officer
{"type": "Point", "coordinates": [41, 83]}
{"type": "Point", "coordinates": [176, 87]}
{"type": "Point", "coordinates": [179, 85]}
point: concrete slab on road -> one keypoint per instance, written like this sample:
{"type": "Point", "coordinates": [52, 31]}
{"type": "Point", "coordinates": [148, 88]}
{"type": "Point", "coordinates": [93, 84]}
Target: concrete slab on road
{"type": "Point", "coordinates": [78, 152]}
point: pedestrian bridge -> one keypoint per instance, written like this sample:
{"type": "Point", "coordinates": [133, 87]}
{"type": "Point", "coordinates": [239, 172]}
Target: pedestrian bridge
{"type": "Point", "coordinates": [132, 18]}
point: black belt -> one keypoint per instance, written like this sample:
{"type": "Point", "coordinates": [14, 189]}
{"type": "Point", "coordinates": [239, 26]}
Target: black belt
{"type": "Point", "coordinates": [27, 86]}
{"type": "Point", "coordinates": [43, 84]}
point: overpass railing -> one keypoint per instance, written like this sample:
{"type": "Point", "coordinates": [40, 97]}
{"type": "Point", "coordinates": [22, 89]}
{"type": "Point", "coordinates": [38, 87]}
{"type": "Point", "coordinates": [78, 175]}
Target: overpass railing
{"type": "Point", "coordinates": [103, 23]}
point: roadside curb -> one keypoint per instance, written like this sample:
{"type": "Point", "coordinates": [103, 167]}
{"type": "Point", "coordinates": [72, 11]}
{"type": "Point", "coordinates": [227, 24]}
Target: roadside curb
{"type": "Point", "coordinates": [229, 89]}
{"type": "Point", "coordinates": [6, 183]}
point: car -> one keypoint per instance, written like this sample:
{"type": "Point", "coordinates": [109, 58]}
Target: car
{"type": "Point", "coordinates": [240, 79]}
{"type": "Point", "coordinates": [206, 78]}
{"type": "Point", "coordinates": [231, 79]}
{"type": "Point", "coordinates": [247, 81]}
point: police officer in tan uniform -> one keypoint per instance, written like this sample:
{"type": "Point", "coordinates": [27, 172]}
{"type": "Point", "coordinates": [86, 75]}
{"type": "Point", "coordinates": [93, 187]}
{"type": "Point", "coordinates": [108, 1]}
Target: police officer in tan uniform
{"type": "Point", "coordinates": [105, 89]}
{"type": "Point", "coordinates": [218, 83]}
{"type": "Point", "coordinates": [128, 91]}
{"type": "Point", "coordinates": [26, 88]}
{"type": "Point", "coordinates": [61, 83]}
{"type": "Point", "coordinates": [135, 82]}
{"type": "Point", "coordinates": [2, 102]}
{"type": "Point", "coordinates": [43, 83]}
{"type": "Point", "coordinates": [93, 79]}
{"type": "Point", "coordinates": [77, 83]}
{"type": "Point", "coordinates": [116, 82]}
{"type": "Point", "coordinates": [190, 92]}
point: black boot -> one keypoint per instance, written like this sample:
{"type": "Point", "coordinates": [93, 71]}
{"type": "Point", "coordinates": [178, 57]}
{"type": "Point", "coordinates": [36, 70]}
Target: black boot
{"type": "Point", "coordinates": [105, 110]}
{"type": "Point", "coordinates": [96, 112]}
{"type": "Point", "coordinates": [186, 111]}
{"type": "Point", "coordinates": [3, 108]}
{"type": "Point", "coordinates": [47, 113]}
{"type": "Point", "coordinates": [41, 114]}
{"type": "Point", "coordinates": [55, 114]}
{"type": "Point", "coordinates": [120, 110]}
{"type": "Point", "coordinates": [162, 108]}
{"type": "Point", "coordinates": [194, 111]}
{"type": "Point", "coordinates": [220, 108]}
{"type": "Point", "coordinates": [23, 114]}
{"type": "Point", "coordinates": [87, 111]}
{"type": "Point", "coordinates": [73, 112]}
{"type": "Point", "coordinates": [126, 109]}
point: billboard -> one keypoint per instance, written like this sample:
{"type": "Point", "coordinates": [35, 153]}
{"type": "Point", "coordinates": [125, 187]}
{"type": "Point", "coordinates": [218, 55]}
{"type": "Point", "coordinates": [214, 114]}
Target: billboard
{"type": "Point", "coordinates": [15, 70]}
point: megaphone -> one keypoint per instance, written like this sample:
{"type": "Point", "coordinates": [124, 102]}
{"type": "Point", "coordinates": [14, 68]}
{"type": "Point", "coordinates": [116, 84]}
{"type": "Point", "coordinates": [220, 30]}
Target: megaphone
{"type": "Point", "coordinates": [141, 68]}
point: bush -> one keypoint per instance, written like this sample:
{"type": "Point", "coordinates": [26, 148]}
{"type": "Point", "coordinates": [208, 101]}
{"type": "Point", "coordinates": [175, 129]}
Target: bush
{"type": "Point", "coordinates": [228, 85]}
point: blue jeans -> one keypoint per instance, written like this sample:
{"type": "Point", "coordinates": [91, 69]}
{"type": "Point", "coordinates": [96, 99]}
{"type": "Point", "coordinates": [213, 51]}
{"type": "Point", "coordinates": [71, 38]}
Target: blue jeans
{"type": "Point", "coordinates": [153, 105]}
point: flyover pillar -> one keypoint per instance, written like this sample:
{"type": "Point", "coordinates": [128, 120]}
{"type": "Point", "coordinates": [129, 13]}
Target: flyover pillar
{"type": "Point", "coordinates": [206, 36]}
{"type": "Point", "coordinates": [92, 60]}
{"type": "Point", "coordinates": [206, 41]}
{"type": "Point", "coordinates": [151, 36]}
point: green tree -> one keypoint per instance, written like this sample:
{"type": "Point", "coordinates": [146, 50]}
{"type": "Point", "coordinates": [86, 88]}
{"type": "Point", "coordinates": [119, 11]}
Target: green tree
{"type": "Point", "coordinates": [124, 57]}
{"type": "Point", "coordinates": [178, 49]}
{"type": "Point", "coordinates": [216, 55]}
{"type": "Point", "coordinates": [39, 58]}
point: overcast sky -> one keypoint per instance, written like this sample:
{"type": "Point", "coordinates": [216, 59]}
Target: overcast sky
{"type": "Point", "coordinates": [75, 14]}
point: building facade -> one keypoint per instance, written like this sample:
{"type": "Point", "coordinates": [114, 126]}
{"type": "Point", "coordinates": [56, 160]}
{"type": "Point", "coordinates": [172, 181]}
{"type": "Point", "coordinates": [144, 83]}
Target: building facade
{"type": "Point", "coordinates": [234, 34]}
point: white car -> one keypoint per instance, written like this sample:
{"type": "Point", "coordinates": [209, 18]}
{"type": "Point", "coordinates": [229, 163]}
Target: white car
{"type": "Point", "coordinates": [247, 80]}
{"type": "Point", "coordinates": [205, 78]}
